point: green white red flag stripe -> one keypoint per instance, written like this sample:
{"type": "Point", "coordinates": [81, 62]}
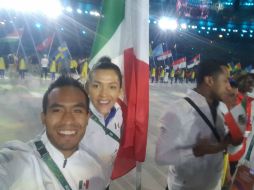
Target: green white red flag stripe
{"type": "Point", "coordinates": [122, 34]}
{"type": "Point", "coordinates": [236, 120]}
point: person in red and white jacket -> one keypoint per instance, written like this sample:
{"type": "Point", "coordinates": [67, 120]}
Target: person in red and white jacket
{"type": "Point", "coordinates": [245, 84]}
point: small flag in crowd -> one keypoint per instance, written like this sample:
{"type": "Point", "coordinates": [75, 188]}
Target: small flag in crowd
{"type": "Point", "coordinates": [195, 61]}
{"type": "Point", "coordinates": [158, 50]}
{"type": "Point", "coordinates": [13, 36]}
{"type": "Point", "coordinates": [237, 67]}
{"type": "Point", "coordinates": [165, 55]}
{"type": "Point", "coordinates": [179, 63]}
{"type": "Point", "coordinates": [62, 53]}
{"type": "Point", "coordinates": [236, 120]}
{"type": "Point", "coordinates": [45, 43]}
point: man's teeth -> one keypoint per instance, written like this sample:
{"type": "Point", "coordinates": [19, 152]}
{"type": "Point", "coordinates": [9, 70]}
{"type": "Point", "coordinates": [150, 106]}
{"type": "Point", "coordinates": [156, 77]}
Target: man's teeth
{"type": "Point", "coordinates": [104, 101]}
{"type": "Point", "coordinates": [67, 132]}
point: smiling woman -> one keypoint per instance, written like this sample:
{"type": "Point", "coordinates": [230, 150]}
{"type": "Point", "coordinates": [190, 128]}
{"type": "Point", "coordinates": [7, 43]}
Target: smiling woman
{"type": "Point", "coordinates": [104, 86]}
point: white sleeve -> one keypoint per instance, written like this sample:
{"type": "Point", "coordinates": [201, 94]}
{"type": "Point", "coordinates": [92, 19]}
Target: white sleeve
{"type": "Point", "coordinates": [173, 146]}
{"type": "Point", "coordinates": [3, 179]}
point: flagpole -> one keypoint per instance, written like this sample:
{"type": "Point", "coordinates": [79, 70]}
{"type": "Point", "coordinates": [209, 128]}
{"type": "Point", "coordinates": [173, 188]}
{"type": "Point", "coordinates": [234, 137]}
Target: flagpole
{"type": "Point", "coordinates": [19, 44]}
{"type": "Point", "coordinates": [68, 51]}
{"type": "Point", "coordinates": [51, 43]}
{"type": "Point", "coordinates": [138, 175]}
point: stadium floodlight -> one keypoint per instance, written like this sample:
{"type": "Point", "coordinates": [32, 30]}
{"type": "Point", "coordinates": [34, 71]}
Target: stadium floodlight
{"type": "Point", "coordinates": [69, 9]}
{"type": "Point", "coordinates": [79, 11]}
{"type": "Point", "coordinates": [166, 23]}
{"type": "Point", "coordinates": [183, 26]}
{"type": "Point", "coordinates": [95, 13]}
{"type": "Point", "coordinates": [50, 8]}
{"type": "Point", "coordinates": [38, 25]}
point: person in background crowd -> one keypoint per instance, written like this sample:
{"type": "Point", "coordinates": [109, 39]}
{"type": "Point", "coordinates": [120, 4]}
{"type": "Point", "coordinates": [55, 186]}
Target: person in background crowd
{"type": "Point", "coordinates": [22, 68]}
{"type": "Point", "coordinates": [229, 101]}
{"type": "Point", "coordinates": [52, 69]}
{"type": "Point", "coordinates": [245, 82]}
{"type": "Point", "coordinates": [153, 72]}
{"type": "Point", "coordinates": [162, 74]}
{"type": "Point", "coordinates": [2, 67]}
{"type": "Point", "coordinates": [44, 66]}
{"type": "Point", "coordinates": [172, 75]}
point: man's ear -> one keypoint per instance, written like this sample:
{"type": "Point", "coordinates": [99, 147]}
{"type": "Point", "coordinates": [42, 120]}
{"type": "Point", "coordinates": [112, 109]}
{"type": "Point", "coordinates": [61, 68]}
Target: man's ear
{"type": "Point", "coordinates": [208, 80]}
{"type": "Point", "coordinates": [43, 118]}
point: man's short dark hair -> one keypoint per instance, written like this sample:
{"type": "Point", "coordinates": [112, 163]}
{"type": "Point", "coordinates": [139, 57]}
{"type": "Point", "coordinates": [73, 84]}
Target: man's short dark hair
{"type": "Point", "coordinates": [209, 68]}
{"type": "Point", "coordinates": [63, 81]}
{"type": "Point", "coordinates": [105, 63]}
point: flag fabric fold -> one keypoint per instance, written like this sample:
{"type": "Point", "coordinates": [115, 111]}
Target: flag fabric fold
{"type": "Point", "coordinates": [45, 43]}
{"type": "Point", "coordinates": [164, 55]}
{"type": "Point", "coordinates": [236, 120]}
{"type": "Point", "coordinates": [195, 61]}
{"type": "Point", "coordinates": [62, 53]}
{"type": "Point", "coordinates": [179, 63]}
{"type": "Point", "coordinates": [13, 36]}
{"type": "Point", "coordinates": [237, 67]}
{"type": "Point", "coordinates": [122, 34]}
{"type": "Point", "coordinates": [157, 51]}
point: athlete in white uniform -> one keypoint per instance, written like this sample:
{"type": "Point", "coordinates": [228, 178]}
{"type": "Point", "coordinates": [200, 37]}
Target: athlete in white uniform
{"type": "Point", "coordinates": [104, 127]}
{"type": "Point", "coordinates": [54, 160]}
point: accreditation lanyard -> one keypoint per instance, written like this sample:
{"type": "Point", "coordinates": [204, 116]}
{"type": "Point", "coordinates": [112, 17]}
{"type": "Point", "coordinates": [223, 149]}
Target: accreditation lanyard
{"type": "Point", "coordinates": [51, 164]}
{"type": "Point", "coordinates": [247, 157]}
{"type": "Point", "coordinates": [107, 130]}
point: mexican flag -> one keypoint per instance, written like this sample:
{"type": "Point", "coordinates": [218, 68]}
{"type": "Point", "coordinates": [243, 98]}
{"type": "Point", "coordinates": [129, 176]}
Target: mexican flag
{"type": "Point", "coordinates": [236, 120]}
{"type": "Point", "coordinates": [122, 34]}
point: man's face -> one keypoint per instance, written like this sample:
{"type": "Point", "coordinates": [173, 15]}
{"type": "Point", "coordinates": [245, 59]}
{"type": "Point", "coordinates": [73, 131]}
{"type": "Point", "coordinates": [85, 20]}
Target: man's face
{"type": "Point", "coordinates": [221, 86]}
{"type": "Point", "coordinates": [104, 90]}
{"type": "Point", "coordinates": [231, 98]}
{"type": "Point", "coordinates": [66, 118]}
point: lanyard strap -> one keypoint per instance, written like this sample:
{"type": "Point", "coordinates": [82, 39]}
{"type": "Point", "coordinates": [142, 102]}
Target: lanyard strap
{"type": "Point", "coordinates": [51, 164]}
{"type": "Point", "coordinates": [247, 157]}
{"type": "Point", "coordinates": [210, 125]}
{"type": "Point", "coordinates": [107, 130]}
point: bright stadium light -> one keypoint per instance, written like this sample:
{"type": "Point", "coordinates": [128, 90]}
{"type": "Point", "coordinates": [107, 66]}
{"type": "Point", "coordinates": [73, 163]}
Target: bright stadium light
{"type": "Point", "coordinates": [167, 23]}
{"type": "Point", "coordinates": [184, 26]}
{"type": "Point", "coordinates": [95, 13]}
{"type": "Point", "coordinates": [50, 8]}
{"type": "Point", "coordinates": [69, 9]}
{"type": "Point", "coordinates": [79, 11]}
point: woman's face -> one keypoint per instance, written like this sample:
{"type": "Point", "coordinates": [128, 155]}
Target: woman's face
{"type": "Point", "coordinates": [104, 90]}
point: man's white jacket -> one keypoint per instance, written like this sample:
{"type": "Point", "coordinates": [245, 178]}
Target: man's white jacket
{"type": "Point", "coordinates": [21, 167]}
{"type": "Point", "coordinates": [101, 145]}
{"type": "Point", "coordinates": [182, 128]}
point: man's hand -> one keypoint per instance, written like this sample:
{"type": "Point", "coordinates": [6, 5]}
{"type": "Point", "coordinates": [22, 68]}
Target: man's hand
{"type": "Point", "coordinates": [205, 146]}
